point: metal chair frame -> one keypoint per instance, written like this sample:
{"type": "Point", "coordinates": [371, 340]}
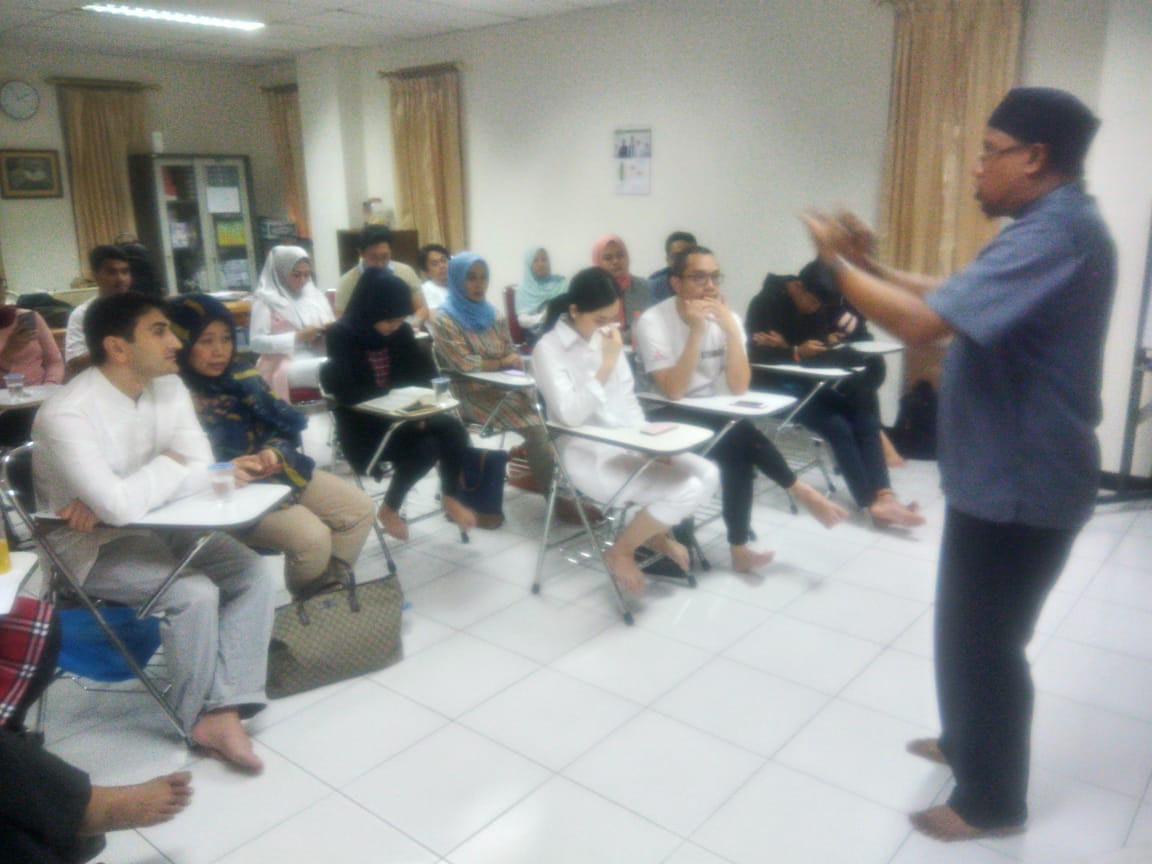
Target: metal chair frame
{"type": "Point", "coordinates": [62, 585]}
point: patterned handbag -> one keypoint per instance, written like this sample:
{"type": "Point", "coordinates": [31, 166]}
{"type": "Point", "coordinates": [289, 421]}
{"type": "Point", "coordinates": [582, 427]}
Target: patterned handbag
{"type": "Point", "coordinates": [339, 633]}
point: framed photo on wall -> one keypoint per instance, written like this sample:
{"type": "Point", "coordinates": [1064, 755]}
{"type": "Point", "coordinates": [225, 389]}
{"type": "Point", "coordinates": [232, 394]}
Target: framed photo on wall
{"type": "Point", "coordinates": [30, 174]}
{"type": "Point", "coordinates": [632, 153]}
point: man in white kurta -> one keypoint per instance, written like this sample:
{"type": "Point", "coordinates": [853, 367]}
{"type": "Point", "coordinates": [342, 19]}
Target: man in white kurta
{"type": "Point", "coordinates": [118, 441]}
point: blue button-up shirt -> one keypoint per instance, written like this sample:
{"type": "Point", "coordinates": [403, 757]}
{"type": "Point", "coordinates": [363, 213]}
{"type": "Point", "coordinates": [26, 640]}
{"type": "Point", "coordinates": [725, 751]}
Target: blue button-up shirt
{"type": "Point", "coordinates": [1020, 392]}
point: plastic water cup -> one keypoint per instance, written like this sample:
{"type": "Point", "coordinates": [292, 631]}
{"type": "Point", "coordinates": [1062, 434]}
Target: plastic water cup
{"type": "Point", "coordinates": [441, 391]}
{"type": "Point", "coordinates": [223, 477]}
{"type": "Point", "coordinates": [14, 381]}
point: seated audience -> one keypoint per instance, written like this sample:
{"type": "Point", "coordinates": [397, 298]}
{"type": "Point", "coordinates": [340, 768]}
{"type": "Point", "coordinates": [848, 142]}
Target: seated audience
{"type": "Point", "coordinates": [375, 249]}
{"type": "Point", "coordinates": [118, 441]}
{"type": "Point", "coordinates": [289, 316]}
{"type": "Point", "coordinates": [144, 277]}
{"type": "Point", "coordinates": [470, 336]}
{"type": "Point", "coordinates": [537, 286]}
{"type": "Point", "coordinates": [584, 379]}
{"type": "Point", "coordinates": [372, 350]}
{"type": "Point", "coordinates": [322, 526]}
{"type": "Point", "coordinates": [658, 287]}
{"type": "Point", "coordinates": [610, 253]}
{"type": "Point", "coordinates": [433, 260]}
{"type": "Point", "coordinates": [26, 348]}
{"type": "Point", "coordinates": [50, 813]}
{"type": "Point", "coordinates": [112, 271]}
{"type": "Point", "coordinates": [793, 321]}
{"type": "Point", "coordinates": [692, 344]}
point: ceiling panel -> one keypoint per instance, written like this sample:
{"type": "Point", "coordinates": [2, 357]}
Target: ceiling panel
{"type": "Point", "coordinates": [294, 26]}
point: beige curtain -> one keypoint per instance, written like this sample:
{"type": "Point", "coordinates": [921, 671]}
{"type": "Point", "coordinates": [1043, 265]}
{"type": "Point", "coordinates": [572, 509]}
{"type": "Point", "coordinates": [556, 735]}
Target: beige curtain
{"type": "Point", "coordinates": [953, 62]}
{"type": "Point", "coordinates": [288, 138]}
{"type": "Point", "coordinates": [102, 125]}
{"type": "Point", "coordinates": [427, 146]}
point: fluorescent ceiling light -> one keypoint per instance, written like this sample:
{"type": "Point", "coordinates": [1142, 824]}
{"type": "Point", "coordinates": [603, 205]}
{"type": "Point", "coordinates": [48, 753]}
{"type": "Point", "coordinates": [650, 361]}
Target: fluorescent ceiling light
{"type": "Point", "coordinates": [173, 17]}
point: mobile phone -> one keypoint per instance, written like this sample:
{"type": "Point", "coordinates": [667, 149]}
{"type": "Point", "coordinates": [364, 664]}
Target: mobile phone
{"type": "Point", "coordinates": [747, 403]}
{"type": "Point", "coordinates": [26, 321]}
{"type": "Point", "coordinates": [657, 428]}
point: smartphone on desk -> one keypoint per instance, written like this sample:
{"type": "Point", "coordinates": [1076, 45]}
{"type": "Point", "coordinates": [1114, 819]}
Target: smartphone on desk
{"type": "Point", "coordinates": [747, 403]}
{"type": "Point", "coordinates": [657, 428]}
{"type": "Point", "coordinates": [26, 321]}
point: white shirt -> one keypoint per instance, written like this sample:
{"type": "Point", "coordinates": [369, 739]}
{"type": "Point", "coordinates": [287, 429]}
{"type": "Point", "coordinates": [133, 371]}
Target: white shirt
{"type": "Point", "coordinates": [565, 367]}
{"type": "Point", "coordinates": [661, 336]}
{"type": "Point", "coordinates": [434, 294]}
{"type": "Point", "coordinates": [74, 344]}
{"type": "Point", "coordinates": [95, 443]}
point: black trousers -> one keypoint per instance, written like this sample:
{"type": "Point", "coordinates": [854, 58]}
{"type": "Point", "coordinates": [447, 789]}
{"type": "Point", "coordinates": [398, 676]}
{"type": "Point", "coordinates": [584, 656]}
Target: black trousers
{"type": "Point", "coordinates": [992, 583]}
{"type": "Point", "coordinates": [440, 440]}
{"type": "Point", "coordinates": [741, 451]}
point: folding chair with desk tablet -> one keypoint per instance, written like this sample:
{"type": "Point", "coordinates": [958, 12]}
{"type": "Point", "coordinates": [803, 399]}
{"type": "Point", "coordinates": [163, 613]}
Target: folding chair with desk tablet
{"type": "Point", "coordinates": [680, 438]}
{"type": "Point", "coordinates": [204, 514]}
{"type": "Point", "coordinates": [403, 406]}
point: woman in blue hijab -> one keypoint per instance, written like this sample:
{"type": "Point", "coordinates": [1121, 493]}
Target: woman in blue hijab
{"type": "Point", "coordinates": [470, 337]}
{"type": "Point", "coordinates": [537, 286]}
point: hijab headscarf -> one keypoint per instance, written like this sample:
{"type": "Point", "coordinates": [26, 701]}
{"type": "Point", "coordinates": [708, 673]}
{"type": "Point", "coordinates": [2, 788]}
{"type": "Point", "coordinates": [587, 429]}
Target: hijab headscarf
{"type": "Point", "coordinates": [625, 281]}
{"type": "Point", "coordinates": [474, 315]}
{"type": "Point", "coordinates": [379, 296]}
{"type": "Point", "coordinates": [242, 415]}
{"type": "Point", "coordinates": [308, 309]}
{"type": "Point", "coordinates": [533, 292]}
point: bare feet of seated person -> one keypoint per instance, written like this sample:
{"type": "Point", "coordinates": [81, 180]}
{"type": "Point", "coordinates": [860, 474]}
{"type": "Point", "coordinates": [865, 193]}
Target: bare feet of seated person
{"type": "Point", "coordinates": [464, 517]}
{"type": "Point", "coordinates": [393, 522]}
{"type": "Point", "coordinates": [824, 510]}
{"type": "Point", "coordinates": [945, 824]}
{"type": "Point", "coordinates": [223, 735]}
{"type": "Point", "coordinates": [887, 511]}
{"type": "Point", "coordinates": [622, 565]}
{"type": "Point", "coordinates": [119, 808]}
{"type": "Point", "coordinates": [745, 560]}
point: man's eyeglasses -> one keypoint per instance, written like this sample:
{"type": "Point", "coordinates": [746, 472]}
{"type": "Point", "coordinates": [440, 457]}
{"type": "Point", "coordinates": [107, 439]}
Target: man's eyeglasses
{"type": "Point", "coordinates": [701, 279]}
{"type": "Point", "coordinates": [991, 154]}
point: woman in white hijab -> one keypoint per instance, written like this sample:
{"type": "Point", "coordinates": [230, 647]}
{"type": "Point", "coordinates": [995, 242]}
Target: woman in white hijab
{"type": "Point", "coordinates": [289, 316]}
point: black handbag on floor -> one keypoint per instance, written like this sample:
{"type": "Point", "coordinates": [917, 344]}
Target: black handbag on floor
{"type": "Point", "coordinates": [481, 485]}
{"type": "Point", "coordinates": [339, 633]}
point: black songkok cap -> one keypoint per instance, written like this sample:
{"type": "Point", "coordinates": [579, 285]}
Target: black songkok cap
{"type": "Point", "coordinates": [1045, 115]}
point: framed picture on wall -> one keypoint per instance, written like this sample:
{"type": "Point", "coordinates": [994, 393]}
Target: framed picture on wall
{"type": "Point", "coordinates": [30, 174]}
{"type": "Point", "coordinates": [632, 152]}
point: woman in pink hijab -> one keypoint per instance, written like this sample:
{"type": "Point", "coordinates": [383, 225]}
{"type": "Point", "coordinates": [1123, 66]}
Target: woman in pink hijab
{"type": "Point", "coordinates": [610, 253]}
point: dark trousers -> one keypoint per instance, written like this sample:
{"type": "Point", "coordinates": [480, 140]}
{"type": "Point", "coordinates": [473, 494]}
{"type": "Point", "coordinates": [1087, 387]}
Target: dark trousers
{"type": "Point", "coordinates": [42, 797]}
{"type": "Point", "coordinates": [414, 449]}
{"type": "Point", "coordinates": [852, 430]}
{"type": "Point", "coordinates": [741, 451]}
{"type": "Point", "coordinates": [992, 583]}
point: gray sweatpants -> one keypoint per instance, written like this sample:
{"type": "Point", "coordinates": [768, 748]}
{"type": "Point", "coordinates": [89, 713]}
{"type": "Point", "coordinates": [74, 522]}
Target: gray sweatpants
{"type": "Point", "coordinates": [218, 615]}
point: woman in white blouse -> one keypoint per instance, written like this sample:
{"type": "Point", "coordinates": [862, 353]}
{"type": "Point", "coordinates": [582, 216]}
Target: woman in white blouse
{"type": "Point", "coordinates": [585, 380]}
{"type": "Point", "coordinates": [289, 316]}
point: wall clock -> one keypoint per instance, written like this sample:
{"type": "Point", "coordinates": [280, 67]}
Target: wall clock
{"type": "Point", "coordinates": [19, 100]}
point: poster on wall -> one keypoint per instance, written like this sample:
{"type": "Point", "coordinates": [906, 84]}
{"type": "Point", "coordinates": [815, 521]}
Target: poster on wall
{"type": "Point", "coordinates": [632, 152]}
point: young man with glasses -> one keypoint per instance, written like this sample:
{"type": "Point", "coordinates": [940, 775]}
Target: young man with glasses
{"type": "Point", "coordinates": [1019, 460]}
{"type": "Point", "coordinates": [692, 344]}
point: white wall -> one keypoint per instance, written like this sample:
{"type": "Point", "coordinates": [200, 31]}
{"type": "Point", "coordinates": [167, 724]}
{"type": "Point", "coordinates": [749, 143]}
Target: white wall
{"type": "Point", "coordinates": [200, 108]}
{"type": "Point", "coordinates": [756, 109]}
{"type": "Point", "coordinates": [1098, 49]}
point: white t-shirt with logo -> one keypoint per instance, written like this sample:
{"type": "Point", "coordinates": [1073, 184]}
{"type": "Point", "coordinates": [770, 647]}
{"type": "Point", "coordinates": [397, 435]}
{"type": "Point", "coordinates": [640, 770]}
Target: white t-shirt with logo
{"type": "Point", "coordinates": [661, 335]}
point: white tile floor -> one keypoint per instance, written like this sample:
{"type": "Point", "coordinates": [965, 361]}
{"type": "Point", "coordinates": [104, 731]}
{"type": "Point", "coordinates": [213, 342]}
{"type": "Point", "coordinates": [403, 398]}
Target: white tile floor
{"type": "Point", "coordinates": [752, 719]}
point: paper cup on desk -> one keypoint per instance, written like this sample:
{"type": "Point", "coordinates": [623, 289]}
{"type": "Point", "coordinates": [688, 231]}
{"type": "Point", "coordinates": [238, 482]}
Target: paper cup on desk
{"type": "Point", "coordinates": [223, 478]}
{"type": "Point", "coordinates": [14, 381]}
{"type": "Point", "coordinates": [441, 390]}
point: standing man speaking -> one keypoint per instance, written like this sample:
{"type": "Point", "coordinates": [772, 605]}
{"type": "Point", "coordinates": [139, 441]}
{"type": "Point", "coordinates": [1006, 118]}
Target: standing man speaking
{"type": "Point", "coordinates": [1019, 461]}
